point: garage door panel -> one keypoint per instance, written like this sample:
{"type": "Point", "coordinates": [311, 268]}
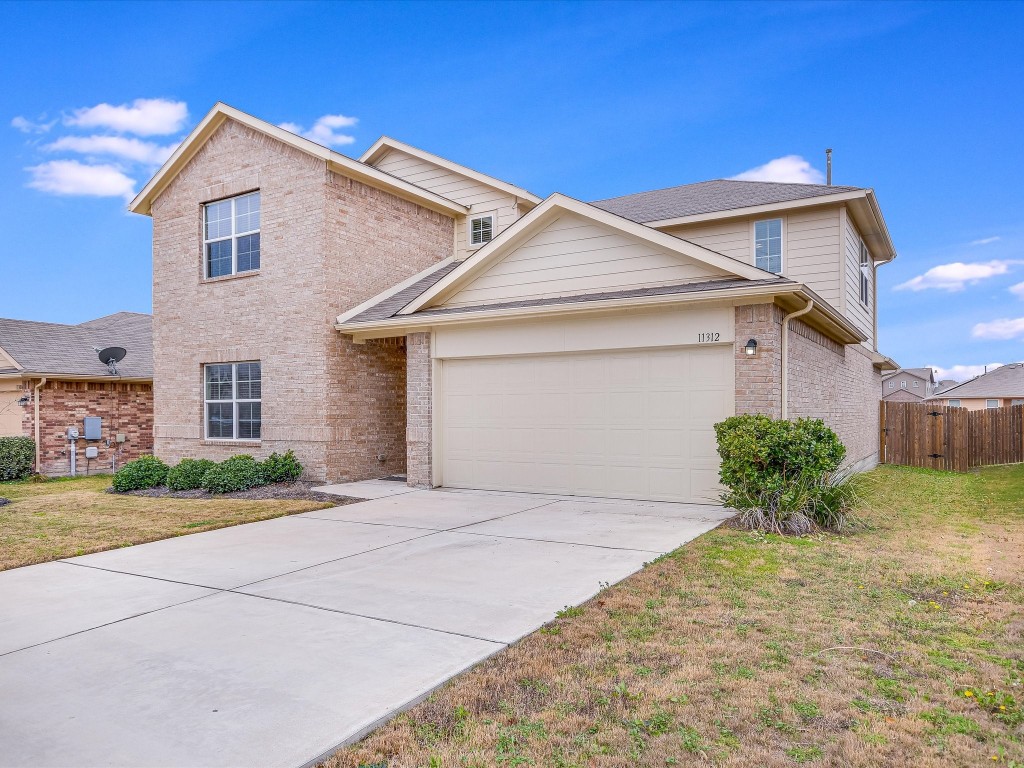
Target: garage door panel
{"type": "Point", "coordinates": [630, 424]}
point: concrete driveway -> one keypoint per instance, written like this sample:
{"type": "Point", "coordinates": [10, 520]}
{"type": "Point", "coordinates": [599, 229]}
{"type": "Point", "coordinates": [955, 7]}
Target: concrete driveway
{"type": "Point", "coordinates": [273, 643]}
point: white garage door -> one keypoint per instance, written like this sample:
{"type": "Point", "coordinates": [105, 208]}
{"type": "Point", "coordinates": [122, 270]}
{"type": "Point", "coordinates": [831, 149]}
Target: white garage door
{"type": "Point", "coordinates": [626, 424]}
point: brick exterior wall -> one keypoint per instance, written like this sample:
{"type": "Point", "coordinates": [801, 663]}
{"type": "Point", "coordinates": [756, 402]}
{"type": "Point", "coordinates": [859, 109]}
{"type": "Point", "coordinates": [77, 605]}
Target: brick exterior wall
{"type": "Point", "coordinates": [419, 446]}
{"type": "Point", "coordinates": [835, 383]}
{"type": "Point", "coordinates": [327, 244]}
{"type": "Point", "coordinates": [125, 408]}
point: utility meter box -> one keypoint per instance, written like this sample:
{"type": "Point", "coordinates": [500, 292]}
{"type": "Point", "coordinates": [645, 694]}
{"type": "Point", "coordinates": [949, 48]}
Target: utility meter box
{"type": "Point", "coordinates": [72, 433]}
{"type": "Point", "coordinates": [92, 452]}
{"type": "Point", "coordinates": [93, 427]}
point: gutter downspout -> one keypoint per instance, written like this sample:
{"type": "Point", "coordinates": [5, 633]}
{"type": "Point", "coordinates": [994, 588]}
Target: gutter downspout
{"type": "Point", "coordinates": [38, 386]}
{"type": "Point", "coordinates": [785, 354]}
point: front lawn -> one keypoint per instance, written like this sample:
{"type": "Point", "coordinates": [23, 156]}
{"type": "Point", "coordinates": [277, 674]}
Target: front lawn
{"type": "Point", "coordinates": [899, 645]}
{"type": "Point", "coordinates": [67, 517]}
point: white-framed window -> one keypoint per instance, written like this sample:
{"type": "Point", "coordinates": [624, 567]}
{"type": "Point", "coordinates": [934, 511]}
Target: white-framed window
{"type": "Point", "coordinates": [892, 385]}
{"type": "Point", "coordinates": [768, 245]}
{"type": "Point", "coordinates": [231, 235]}
{"type": "Point", "coordinates": [1015, 401]}
{"type": "Point", "coordinates": [915, 385]}
{"type": "Point", "coordinates": [233, 394]}
{"type": "Point", "coordinates": [481, 229]}
{"type": "Point", "coordinates": [865, 274]}
{"type": "Point", "coordinates": [903, 385]}
{"type": "Point", "coordinates": [955, 403]}
{"type": "Point", "coordinates": [991, 403]}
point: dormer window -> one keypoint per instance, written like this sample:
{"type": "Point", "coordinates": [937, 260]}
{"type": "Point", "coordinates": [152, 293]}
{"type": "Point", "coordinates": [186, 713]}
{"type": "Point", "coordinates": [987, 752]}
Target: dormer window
{"type": "Point", "coordinates": [768, 245]}
{"type": "Point", "coordinates": [231, 235]}
{"type": "Point", "coordinates": [481, 229]}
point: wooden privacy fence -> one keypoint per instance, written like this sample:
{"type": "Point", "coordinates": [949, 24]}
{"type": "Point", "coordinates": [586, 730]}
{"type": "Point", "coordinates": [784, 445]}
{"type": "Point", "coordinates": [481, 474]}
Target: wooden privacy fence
{"type": "Point", "coordinates": [942, 437]}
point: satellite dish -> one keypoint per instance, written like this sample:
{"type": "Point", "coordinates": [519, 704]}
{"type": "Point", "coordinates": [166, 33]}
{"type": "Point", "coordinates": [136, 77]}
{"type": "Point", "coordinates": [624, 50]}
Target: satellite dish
{"type": "Point", "coordinates": [111, 356]}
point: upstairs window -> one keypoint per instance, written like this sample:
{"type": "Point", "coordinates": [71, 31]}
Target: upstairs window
{"type": "Point", "coordinates": [231, 235]}
{"type": "Point", "coordinates": [481, 230]}
{"type": "Point", "coordinates": [865, 274]}
{"type": "Point", "coordinates": [915, 384]}
{"type": "Point", "coordinates": [233, 396]}
{"type": "Point", "coordinates": [768, 245]}
{"type": "Point", "coordinates": [903, 385]}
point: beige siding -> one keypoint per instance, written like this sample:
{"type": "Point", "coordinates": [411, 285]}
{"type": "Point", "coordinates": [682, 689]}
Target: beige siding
{"type": "Point", "coordinates": [10, 412]}
{"type": "Point", "coordinates": [574, 255]}
{"type": "Point", "coordinates": [481, 198]}
{"type": "Point", "coordinates": [860, 315]}
{"type": "Point", "coordinates": [811, 249]}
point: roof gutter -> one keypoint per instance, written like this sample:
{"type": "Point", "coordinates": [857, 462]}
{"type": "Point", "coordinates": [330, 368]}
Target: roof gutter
{"type": "Point", "coordinates": [35, 423]}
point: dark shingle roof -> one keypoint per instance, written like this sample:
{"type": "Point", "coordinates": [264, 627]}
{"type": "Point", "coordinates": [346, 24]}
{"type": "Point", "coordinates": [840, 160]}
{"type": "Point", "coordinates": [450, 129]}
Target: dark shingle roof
{"type": "Point", "coordinates": [69, 350]}
{"type": "Point", "coordinates": [1005, 381]}
{"type": "Point", "coordinates": [922, 373]}
{"type": "Point", "coordinates": [659, 290]}
{"type": "Point", "coordinates": [710, 197]}
{"type": "Point", "coordinates": [390, 306]}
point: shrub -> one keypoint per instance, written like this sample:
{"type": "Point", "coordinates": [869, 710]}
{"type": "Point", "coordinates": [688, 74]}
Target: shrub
{"type": "Point", "coordinates": [17, 457]}
{"type": "Point", "coordinates": [278, 469]}
{"type": "Point", "coordinates": [188, 475]}
{"type": "Point", "coordinates": [144, 472]}
{"type": "Point", "coordinates": [239, 473]}
{"type": "Point", "coordinates": [780, 474]}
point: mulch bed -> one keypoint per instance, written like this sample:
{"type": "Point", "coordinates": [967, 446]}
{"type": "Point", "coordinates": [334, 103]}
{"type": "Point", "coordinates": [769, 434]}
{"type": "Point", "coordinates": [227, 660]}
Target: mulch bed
{"type": "Point", "coordinates": [300, 489]}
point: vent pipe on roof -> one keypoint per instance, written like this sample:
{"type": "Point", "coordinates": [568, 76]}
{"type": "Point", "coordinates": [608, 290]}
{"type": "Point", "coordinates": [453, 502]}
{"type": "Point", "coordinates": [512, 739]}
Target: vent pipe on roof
{"type": "Point", "coordinates": [828, 166]}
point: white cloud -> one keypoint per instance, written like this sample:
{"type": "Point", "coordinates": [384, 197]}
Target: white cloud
{"type": "Point", "coordinates": [1017, 290]}
{"type": "Point", "coordinates": [143, 117]}
{"type": "Point", "coordinates": [25, 125]}
{"type": "Point", "coordinates": [1002, 329]}
{"type": "Point", "coordinates": [325, 130]}
{"type": "Point", "coordinates": [956, 276]}
{"type": "Point", "coordinates": [986, 240]}
{"type": "Point", "coordinates": [791, 168]}
{"type": "Point", "coordinates": [70, 177]}
{"type": "Point", "coordinates": [961, 372]}
{"type": "Point", "coordinates": [119, 146]}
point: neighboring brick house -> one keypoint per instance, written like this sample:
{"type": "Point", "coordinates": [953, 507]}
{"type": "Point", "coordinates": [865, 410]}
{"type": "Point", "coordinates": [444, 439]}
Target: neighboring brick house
{"type": "Point", "coordinates": [51, 379]}
{"type": "Point", "coordinates": [909, 385]}
{"type": "Point", "coordinates": [403, 313]}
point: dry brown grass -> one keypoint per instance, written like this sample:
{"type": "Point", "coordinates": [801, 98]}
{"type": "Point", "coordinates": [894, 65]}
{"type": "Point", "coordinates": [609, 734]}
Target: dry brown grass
{"type": "Point", "coordinates": [62, 518]}
{"type": "Point", "coordinates": [749, 650]}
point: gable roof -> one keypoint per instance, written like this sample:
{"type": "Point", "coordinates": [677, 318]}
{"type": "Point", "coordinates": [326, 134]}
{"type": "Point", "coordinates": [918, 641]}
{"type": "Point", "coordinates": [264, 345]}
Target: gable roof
{"type": "Point", "coordinates": [385, 144]}
{"type": "Point", "coordinates": [343, 164]}
{"type": "Point", "coordinates": [556, 205]}
{"type": "Point", "coordinates": [1004, 381]}
{"type": "Point", "coordinates": [924, 374]}
{"type": "Point", "coordinates": [55, 349]}
{"type": "Point", "coordinates": [711, 196]}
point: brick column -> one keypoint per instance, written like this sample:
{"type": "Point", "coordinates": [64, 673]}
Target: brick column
{"type": "Point", "coordinates": [419, 399]}
{"type": "Point", "coordinates": [759, 378]}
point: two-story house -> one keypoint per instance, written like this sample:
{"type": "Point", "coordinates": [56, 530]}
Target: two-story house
{"type": "Point", "coordinates": [404, 313]}
{"type": "Point", "coordinates": [909, 385]}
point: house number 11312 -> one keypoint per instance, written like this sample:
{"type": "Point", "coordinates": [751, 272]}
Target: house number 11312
{"type": "Point", "coordinates": [704, 337]}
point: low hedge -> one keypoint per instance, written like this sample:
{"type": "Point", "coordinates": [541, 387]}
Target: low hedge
{"type": "Point", "coordinates": [239, 473]}
{"type": "Point", "coordinates": [281, 469]}
{"type": "Point", "coordinates": [144, 472]}
{"type": "Point", "coordinates": [189, 474]}
{"type": "Point", "coordinates": [17, 457]}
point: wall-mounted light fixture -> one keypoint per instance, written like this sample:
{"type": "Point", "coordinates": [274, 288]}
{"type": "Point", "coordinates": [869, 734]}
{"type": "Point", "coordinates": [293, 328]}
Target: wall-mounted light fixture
{"type": "Point", "coordinates": [751, 347]}
{"type": "Point", "coordinates": [24, 400]}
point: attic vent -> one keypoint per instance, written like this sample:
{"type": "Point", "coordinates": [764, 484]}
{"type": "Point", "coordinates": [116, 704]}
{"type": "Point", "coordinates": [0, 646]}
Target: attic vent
{"type": "Point", "coordinates": [481, 229]}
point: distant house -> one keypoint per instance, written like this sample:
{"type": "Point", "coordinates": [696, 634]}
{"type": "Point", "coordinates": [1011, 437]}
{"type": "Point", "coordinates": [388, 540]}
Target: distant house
{"type": "Point", "coordinates": [51, 379]}
{"type": "Point", "coordinates": [995, 389]}
{"type": "Point", "coordinates": [909, 385]}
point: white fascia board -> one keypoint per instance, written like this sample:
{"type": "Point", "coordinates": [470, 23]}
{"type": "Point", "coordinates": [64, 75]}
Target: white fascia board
{"type": "Point", "coordinates": [345, 316]}
{"type": "Point", "coordinates": [536, 219]}
{"type": "Point", "coordinates": [215, 117]}
{"type": "Point", "coordinates": [385, 143]}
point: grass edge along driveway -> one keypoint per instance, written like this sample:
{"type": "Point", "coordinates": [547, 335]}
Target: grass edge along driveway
{"type": "Point", "coordinates": [66, 517]}
{"type": "Point", "coordinates": [900, 644]}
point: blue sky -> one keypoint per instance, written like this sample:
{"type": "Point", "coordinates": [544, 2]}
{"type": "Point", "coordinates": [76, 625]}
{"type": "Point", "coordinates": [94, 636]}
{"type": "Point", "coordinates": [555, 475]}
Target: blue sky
{"type": "Point", "coordinates": [922, 102]}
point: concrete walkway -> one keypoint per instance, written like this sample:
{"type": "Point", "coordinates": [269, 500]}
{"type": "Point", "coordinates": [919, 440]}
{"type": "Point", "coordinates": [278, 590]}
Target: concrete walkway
{"type": "Point", "coordinates": [273, 643]}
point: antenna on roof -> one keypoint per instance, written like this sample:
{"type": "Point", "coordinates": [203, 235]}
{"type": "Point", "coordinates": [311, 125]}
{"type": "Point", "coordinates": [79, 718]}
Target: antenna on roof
{"type": "Point", "coordinates": [828, 166]}
{"type": "Point", "coordinates": [110, 357]}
